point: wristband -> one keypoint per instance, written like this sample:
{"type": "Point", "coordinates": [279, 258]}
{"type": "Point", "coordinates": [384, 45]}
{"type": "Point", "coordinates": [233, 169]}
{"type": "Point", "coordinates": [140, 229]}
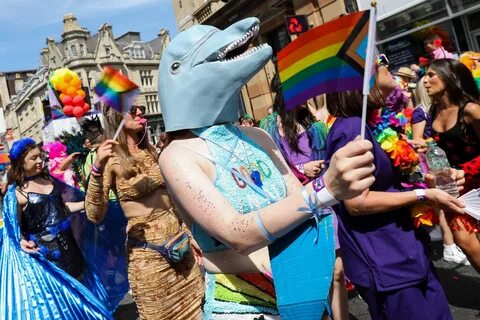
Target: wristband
{"type": "Point", "coordinates": [421, 194]}
{"type": "Point", "coordinates": [96, 169]}
{"type": "Point", "coordinates": [301, 167]}
{"type": "Point", "coordinates": [262, 228]}
{"type": "Point", "coordinates": [323, 195]}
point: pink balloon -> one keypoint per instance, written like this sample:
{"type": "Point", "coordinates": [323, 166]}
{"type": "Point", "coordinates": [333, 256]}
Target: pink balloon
{"type": "Point", "coordinates": [78, 101]}
{"type": "Point", "coordinates": [78, 112]}
{"type": "Point", "coordinates": [68, 110]}
{"type": "Point", "coordinates": [66, 100]}
{"type": "Point", "coordinates": [86, 107]}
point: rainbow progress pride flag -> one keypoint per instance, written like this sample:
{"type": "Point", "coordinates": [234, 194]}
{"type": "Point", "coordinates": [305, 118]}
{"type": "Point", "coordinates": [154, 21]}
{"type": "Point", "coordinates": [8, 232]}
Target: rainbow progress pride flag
{"type": "Point", "coordinates": [116, 90]}
{"type": "Point", "coordinates": [328, 58]}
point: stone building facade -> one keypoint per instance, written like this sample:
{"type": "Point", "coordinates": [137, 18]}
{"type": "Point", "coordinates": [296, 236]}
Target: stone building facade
{"type": "Point", "coordinates": [87, 54]}
{"type": "Point", "coordinates": [256, 94]}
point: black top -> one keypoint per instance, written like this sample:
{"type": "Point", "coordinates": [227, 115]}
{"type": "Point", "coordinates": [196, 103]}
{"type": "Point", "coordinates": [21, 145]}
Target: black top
{"type": "Point", "coordinates": [44, 221]}
{"type": "Point", "coordinates": [460, 145]}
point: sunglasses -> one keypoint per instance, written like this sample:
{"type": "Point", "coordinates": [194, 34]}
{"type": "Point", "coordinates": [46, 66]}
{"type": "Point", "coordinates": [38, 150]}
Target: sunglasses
{"type": "Point", "coordinates": [134, 108]}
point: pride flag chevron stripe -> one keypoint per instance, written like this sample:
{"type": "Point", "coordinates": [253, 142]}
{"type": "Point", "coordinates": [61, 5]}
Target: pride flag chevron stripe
{"type": "Point", "coordinates": [328, 58]}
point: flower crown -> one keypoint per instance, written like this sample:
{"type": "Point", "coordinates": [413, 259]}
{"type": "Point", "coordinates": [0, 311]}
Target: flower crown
{"type": "Point", "coordinates": [19, 147]}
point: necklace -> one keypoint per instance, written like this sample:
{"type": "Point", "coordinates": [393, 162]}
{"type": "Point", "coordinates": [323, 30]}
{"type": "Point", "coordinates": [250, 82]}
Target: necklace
{"type": "Point", "coordinates": [31, 178]}
{"type": "Point", "coordinates": [255, 175]}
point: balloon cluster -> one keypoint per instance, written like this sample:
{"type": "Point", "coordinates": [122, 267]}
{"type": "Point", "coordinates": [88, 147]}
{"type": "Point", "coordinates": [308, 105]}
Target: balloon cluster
{"type": "Point", "coordinates": [72, 96]}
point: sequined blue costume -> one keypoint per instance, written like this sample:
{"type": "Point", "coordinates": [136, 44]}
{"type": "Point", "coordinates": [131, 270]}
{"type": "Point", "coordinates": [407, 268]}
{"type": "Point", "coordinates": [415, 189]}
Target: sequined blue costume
{"type": "Point", "coordinates": [32, 287]}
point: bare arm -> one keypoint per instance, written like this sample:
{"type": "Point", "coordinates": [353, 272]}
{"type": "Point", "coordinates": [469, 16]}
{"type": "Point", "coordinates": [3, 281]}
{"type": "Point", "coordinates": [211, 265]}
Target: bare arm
{"type": "Point", "coordinates": [374, 202]}
{"type": "Point", "coordinates": [68, 161]}
{"type": "Point", "coordinates": [96, 200]}
{"type": "Point", "coordinates": [195, 193]}
{"type": "Point", "coordinates": [472, 117]}
{"type": "Point", "coordinates": [75, 206]}
{"type": "Point", "coordinates": [418, 130]}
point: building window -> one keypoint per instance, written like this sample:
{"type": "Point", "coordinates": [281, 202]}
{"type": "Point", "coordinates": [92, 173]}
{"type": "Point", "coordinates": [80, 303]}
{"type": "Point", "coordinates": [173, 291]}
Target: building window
{"type": "Point", "coordinates": [67, 53]}
{"type": "Point", "coordinates": [136, 51]}
{"type": "Point", "coordinates": [54, 61]}
{"type": "Point", "coordinates": [351, 6]}
{"type": "Point", "coordinates": [146, 77]}
{"type": "Point", "coordinates": [180, 4]}
{"type": "Point", "coordinates": [152, 103]}
{"type": "Point", "coordinates": [74, 50]}
{"type": "Point", "coordinates": [107, 50]}
{"type": "Point", "coordinates": [82, 50]}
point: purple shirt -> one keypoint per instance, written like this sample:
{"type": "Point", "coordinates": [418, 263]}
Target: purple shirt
{"type": "Point", "coordinates": [303, 144]}
{"type": "Point", "coordinates": [381, 251]}
{"type": "Point", "coordinates": [419, 115]}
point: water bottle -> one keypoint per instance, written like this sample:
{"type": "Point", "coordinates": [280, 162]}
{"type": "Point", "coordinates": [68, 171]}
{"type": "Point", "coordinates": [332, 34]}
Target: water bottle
{"type": "Point", "coordinates": [440, 168]}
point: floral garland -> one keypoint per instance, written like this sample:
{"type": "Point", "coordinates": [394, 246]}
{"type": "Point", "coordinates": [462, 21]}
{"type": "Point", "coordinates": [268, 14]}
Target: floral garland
{"type": "Point", "coordinates": [391, 128]}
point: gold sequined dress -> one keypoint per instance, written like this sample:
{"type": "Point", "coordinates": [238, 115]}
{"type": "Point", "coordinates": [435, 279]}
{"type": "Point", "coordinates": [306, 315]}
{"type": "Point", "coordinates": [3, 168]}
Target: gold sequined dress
{"type": "Point", "coordinates": [161, 290]}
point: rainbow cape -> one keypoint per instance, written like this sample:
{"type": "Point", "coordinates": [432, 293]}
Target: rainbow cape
{"type": "Point", "coordinates": [116, 90]}
{"type": "Point", "coordinates": [328, 58]}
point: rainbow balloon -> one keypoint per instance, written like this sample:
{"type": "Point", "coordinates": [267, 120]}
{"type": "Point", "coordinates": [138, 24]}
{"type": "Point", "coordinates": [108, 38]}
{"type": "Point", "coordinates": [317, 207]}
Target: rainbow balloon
{"type": "Point", "coordinates": [116, 90]}
{"type": "Point", "coordinates": [328, 58]}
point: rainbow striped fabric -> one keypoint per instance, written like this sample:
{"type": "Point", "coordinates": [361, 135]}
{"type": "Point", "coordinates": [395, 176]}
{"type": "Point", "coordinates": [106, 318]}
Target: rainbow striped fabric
{"type": "Point", "coordinates": [328, 58]}
{"type": "Point", "coordinates": [116, 90]}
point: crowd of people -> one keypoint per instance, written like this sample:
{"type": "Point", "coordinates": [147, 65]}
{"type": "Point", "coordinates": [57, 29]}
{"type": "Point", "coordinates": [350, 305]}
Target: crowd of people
{"type": "Point", "coordinates": [205, 209]}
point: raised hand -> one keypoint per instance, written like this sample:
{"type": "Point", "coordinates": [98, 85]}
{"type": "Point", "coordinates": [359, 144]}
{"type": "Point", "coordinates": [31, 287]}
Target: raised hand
{"type": "Point", "coordinates": [351, 170]}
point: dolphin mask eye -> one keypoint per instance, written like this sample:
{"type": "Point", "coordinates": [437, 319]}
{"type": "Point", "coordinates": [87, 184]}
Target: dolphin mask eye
{"type": "Point", "coordinates": [174, 68]}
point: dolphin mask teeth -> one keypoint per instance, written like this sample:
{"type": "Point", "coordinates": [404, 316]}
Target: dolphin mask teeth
{"type": "Point", "coordinates": [239, 46]}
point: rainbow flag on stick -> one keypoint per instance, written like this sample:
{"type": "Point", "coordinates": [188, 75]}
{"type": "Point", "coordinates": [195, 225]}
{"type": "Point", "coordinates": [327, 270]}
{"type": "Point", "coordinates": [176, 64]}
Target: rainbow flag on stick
{"type": "Point", "coordinates": [328, 58]}
{"type": "Point", "coordinates": [116, 90]}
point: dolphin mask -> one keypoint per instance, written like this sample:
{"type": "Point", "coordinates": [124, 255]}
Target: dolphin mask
{"type": "Point", "coordinates": [203, 70]}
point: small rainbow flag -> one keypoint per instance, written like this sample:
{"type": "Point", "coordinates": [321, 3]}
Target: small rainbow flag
{"type": "Point", "coordinates": [328, 58]}
{"type": "Point", "coordinates": [116, 90]}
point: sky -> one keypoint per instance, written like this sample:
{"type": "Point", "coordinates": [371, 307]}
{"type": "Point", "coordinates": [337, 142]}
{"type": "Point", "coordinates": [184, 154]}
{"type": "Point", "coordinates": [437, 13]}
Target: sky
{"type": "Point", "coordinates": [25, 24]}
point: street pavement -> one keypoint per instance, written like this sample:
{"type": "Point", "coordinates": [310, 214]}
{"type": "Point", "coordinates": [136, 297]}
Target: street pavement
{"type": "Point", "coordinates": [461, 285]}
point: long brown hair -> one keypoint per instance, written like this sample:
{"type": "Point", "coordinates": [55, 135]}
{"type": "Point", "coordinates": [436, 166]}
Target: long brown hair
{"type": "Point", "coordinates": [459, 85]}
{"type": "Point", "coordinates": [129, 164]}
{"type": "Point", "coordinates": [16, 173]}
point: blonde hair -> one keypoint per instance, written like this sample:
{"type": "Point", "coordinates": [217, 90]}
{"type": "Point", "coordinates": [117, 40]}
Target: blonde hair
{"type": "Point", "coordinates": [421, 95]}
{"type": "Point", "coordinates": [129, 164]}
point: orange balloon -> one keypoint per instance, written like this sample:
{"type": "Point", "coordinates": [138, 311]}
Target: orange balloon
{"type": "Point", "coordinates": [76, 82]}
{"type": "Point", "coordinates": [71, 91]}
{"type": "Point", "coordinates": [62, 96]}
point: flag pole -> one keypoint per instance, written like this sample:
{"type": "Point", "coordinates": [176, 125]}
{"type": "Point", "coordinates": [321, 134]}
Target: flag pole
{"type": "Point", "coordinates": [120, 126]}
{"type": "Point", "coordinates": [372, 26]}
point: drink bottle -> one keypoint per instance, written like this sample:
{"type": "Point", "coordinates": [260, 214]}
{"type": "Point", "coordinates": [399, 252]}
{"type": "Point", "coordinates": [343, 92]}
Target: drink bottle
{"type": "Point", "coordinates": [440, 168]}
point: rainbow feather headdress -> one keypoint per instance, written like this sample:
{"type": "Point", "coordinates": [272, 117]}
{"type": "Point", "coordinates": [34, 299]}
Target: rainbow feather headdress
{"type": "Point", "coordinates": [116, 90]}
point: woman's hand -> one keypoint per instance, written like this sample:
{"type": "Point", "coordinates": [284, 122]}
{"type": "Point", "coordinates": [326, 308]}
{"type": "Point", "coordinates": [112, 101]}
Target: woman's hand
{"type": "Point", "coordinates": [313, 168]}
{"type": "Point", "coordinates": [104, 152]}
{"type": "Point", "coordinates": [351, 170]}
{"type": "Point", "coordinates": [28, 246]}
{"type": "Point", "coordinates": [457, 175]}
{"type": "Point", "coordinates": [196, 251]}
{"type": "Point", "coordinates": [419, 145]}
{"type": "Point", "coordinates": [442, 200]}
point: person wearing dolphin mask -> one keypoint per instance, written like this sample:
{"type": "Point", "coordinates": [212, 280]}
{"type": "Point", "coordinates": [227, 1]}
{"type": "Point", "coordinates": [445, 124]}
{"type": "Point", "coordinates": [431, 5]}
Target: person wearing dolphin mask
{"type": "Point", "coordinates": [232, 186]}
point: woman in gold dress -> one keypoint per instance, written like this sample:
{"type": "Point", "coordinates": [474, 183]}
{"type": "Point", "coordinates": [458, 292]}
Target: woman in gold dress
{"type": "Point", "coordinates": [161, 289]}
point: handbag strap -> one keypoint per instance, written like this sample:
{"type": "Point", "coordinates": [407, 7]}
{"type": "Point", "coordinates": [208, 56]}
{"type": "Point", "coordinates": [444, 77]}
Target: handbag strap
{"type": "Point", "coordinates": [250, 183]}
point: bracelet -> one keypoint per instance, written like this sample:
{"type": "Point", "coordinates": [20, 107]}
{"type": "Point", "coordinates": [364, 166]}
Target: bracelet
{"type": "Point", "coordinates": [421, 194]}
{"type": "Point", "coordinates": [323, 195]}
{"type": "Point", "coordinates": [301, 167]}
{"type": "Point", "coordinates": [262, 228]}
{"type": "Point", "coordinates": [95, 169]}
{"type": "Point", "coordinates": [96, 174]}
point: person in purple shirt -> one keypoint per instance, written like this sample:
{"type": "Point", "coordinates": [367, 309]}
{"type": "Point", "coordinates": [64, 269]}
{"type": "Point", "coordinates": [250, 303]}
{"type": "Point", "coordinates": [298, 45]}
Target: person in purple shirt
{"type": "Point", "coordinates": [383, 254]}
